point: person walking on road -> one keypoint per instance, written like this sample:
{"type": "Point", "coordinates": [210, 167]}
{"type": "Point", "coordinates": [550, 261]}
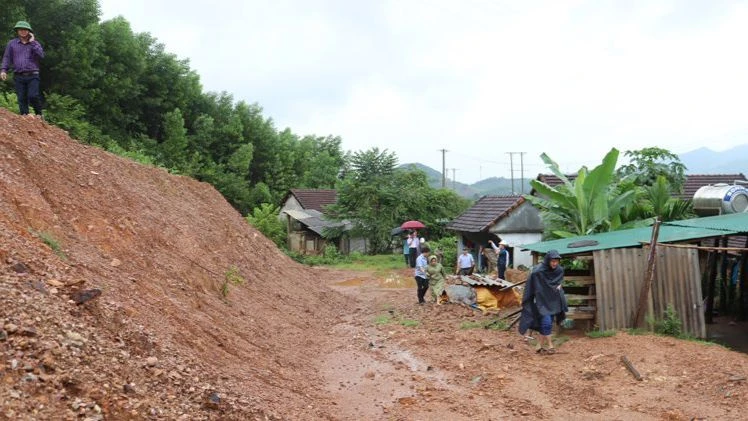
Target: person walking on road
{"type": "Point", "coordinates": [24, 54]}
{"type": "Point", "coordinates": [503, 258]}
{"type": "Point", "coordinates": [465, 262]}
{"type": "Point", "coordinates": [437, 278]}
{"type": "Point", "coordinates": [422, 281]}
{"type": "Point", "coordinates": [544, 300]}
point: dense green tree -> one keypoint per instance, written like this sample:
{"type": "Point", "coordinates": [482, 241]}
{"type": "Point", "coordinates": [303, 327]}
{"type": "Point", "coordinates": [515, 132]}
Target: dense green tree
{"type": "Point", "coordinates": [647, 164]}
{"type": "Point", "coordinates": [265, 219]}
{"type": "Point", "coordinates": [109, 86]}
{"type": "Point", "coordinates": [376, 197]}
{"type": "Point", "coordinates": [656, 201]}
{"type": "Point", "coordinates": [591, 203]}
{"type": "Point", "coordinates": [174, 152]}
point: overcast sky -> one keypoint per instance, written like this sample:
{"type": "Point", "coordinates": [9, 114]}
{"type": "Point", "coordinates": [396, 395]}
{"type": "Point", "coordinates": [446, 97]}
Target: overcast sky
{"type": "Point", "coordinates": [479, 78]}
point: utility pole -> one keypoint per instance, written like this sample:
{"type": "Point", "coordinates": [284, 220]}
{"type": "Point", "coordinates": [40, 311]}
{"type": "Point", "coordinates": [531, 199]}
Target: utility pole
{"type": "Point", "coordinates": [444, 168]}
{"type": "Point", "coordinates": [453, 178]}
{"type": "Point", "coordinates": [511, 168]}
{"type": "Point", "coordinates": [522, 171]}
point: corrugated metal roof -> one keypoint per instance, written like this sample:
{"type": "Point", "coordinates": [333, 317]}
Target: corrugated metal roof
{"type": "Point", "coordinates": [737, 222]}
{"type": "Point", "coordinates": [625, 238]}
{"type": "Point", "coordinates": [315, 221]}
{"type": "Point", "coordinates": [297, 214]}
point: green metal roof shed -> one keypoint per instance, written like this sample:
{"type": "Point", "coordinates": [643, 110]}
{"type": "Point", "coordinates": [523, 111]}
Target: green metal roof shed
{"type": "Point", "coordinates": [630, 238]}
{"type": "Point", "coordinates": [736, 222]}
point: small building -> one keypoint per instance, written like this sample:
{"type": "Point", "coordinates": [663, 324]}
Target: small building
{"type": "Point", "coordinates": [606, 294]}
{"type": "Point", "coordinates": [508, 218]}
{"type": "Point", "coordinates": [309, 231]}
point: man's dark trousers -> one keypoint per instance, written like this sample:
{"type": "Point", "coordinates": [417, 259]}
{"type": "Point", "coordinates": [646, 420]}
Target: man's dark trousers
{"type": "Point", "coordinates": [27, 90]}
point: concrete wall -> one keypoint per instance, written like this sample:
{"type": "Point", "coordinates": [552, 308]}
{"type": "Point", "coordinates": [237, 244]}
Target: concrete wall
{"type": "Point", "coordinates": [526, 218]}
{"type": "Point", "coordinates": [516, 239]}
{"type": "Point", "coordinates": [291, 204]}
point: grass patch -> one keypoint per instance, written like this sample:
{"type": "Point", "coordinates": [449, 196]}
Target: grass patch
{"type": "Point", "coordinates": [409, 322]}
{"type": "Point", "coordinates": [496, 324]}
{"type": "Point", "coordinates": [601, 333]}
{"type": "Point", "coordinates": [634, 331]}
{"type": "Point", "coordinates": [470, 325]}
{"type": "Point", "coordinates": [382, 319]}
{"type": "Point", "coordinates": [493, 324]}
{"type": "Point", "coordinates": [376, 263]}
{"type": "Point", "coordinates": [52, 242]}
{"type": "Point", "coordinates": [232, 277]}
{"type": "Point", "coordinates": [560, 340]}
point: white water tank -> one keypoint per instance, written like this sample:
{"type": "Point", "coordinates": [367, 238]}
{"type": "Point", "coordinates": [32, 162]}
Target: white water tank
{"type": "Point", "coordinates": [720, 199]}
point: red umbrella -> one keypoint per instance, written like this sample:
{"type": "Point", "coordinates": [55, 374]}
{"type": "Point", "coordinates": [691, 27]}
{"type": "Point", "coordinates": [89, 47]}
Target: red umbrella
{"type": "Point", "coordinates": [412, 225]}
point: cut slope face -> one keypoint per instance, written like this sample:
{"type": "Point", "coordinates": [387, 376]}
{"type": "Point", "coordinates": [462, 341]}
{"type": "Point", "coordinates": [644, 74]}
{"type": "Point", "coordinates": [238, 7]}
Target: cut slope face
{"type": "Point", "coordinates": [159, 247]}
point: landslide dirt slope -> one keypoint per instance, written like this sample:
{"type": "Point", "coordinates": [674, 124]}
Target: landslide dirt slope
{"type": "Point", "coordinates": [159, 247]}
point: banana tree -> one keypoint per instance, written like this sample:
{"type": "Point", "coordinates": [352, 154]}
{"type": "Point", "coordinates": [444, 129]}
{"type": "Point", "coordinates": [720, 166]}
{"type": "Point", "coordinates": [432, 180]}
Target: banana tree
{"type": "Point", "coordinates": [592, 202]}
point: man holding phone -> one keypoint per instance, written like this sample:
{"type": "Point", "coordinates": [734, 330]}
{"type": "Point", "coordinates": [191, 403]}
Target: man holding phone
{"type": "Point", "coordinates": [24, 54]}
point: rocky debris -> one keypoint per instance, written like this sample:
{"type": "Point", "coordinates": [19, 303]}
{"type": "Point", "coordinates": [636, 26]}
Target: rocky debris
{"type": "Point", "coordinates": [20, 268]}
{"type": "Point", "coordinates": [84, 296]}
{"type": "Point", "coordinates": [151, 361]}
{"type": "Point", "coordinates": [88, 362]}
{"type": "Point", "coordinates": [213, 400]}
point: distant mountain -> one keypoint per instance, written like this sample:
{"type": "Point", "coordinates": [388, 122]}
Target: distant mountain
{"type": "Point", "coordinates": [707, 161]}
{"type": "Point", "coordinates": [489, 186]}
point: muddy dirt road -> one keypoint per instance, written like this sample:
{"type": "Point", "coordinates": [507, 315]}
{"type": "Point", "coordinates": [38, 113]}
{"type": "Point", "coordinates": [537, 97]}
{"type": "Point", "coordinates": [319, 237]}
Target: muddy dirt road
{"type": "Point", "coordinates": [393, 359]}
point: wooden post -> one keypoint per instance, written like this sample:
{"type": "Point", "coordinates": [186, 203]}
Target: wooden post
{"type": "Point", "coordinates": [648, 277]}
{"type": "Point", "coordinates": [724, 287]}
{"type": "Point", "coordinates": [744, 284]}
{"type": "Point", "coordinates": [711, 284]}
{"type": "Point", "coordinates": [631, 367]}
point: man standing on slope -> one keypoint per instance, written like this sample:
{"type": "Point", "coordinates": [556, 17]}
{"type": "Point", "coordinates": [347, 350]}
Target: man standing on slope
{"type": "Point", "coordinates": [24, 54]}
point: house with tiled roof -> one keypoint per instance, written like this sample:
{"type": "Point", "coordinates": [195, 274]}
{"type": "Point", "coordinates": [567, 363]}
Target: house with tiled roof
{"type": "Point", "coordinates": [508, 218]}
{"type": "Point", "coordinates": [316, 199]}
{"type": "Point", "coordinates": [693, 181]}
{"type": "Point", "coordinates": [308, 229]}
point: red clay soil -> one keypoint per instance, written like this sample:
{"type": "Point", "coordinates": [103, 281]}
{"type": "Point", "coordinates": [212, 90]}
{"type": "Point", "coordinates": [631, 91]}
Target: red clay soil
{"type": "Point", "coordinates": [159, 248]}
{"type": "Point", "coordinates": [169, 338]}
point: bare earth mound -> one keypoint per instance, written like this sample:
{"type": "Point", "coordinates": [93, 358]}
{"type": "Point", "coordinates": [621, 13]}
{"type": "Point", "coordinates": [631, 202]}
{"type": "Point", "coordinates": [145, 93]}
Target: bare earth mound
{"type": "Point", "coordinates": [159, 247]}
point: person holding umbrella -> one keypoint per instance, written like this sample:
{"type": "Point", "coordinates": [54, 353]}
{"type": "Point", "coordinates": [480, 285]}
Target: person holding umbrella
{"type": "Point", "coordinates": [413, 242]}
{"type": "Point", "coordinates": [414, 247]}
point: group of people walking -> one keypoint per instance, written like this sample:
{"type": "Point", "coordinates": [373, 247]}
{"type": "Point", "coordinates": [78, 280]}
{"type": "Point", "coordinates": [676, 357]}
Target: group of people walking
{"type": "Point", "coordinates": [429, 273]}
{"type": "Point", "coordinates": [543, 299]}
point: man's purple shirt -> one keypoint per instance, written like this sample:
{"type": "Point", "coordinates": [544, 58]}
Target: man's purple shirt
{"type": "Point", "coordinates": [23, 57]}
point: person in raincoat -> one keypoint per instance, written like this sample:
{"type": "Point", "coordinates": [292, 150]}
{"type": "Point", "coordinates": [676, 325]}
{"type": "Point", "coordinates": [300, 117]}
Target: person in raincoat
{"type": "Point", "coordinates": [437, 278]}
{"type": "Point", "coordinates": [544, 300]}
